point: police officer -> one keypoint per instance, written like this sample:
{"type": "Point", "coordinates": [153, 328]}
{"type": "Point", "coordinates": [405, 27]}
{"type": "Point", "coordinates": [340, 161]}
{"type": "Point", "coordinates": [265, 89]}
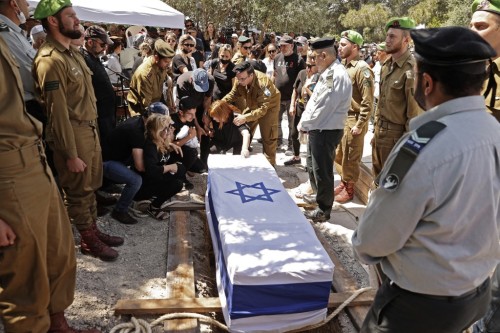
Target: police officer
{"type": "Point", "coordinates": [38, 267]}
{"type": "Point", "coordinates": [262, 103]}
{"type": "Point", "coordinates": [437, 257]}
{"type": "Point", "coordinates": [396, 105]}
{"type": "Point", "coordinates": [147, 82]}
{"type": "Point", "coordinates": [65, 84]}
{"type": "Point", "coordinates": [350, 150]}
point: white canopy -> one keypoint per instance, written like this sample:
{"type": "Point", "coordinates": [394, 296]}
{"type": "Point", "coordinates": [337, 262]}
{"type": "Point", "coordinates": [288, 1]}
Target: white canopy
{"type": "Point", "coordinates": [154, 13]}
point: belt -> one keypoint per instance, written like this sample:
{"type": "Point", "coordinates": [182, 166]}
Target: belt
{"type": "Point", "coordinates": [474, 291]}
{"type": "Point", "coordinates": [19, 157]}
{"type": "Point", "coordinates": [91, 123]}
{"type": "Point", "coordinates": [390, 126]}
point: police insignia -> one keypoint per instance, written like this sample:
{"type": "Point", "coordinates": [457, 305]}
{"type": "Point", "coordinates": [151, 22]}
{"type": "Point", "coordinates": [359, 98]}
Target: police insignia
{"type": "Point", "coordinates": [51, 85]}
{"type": "Point", "coordinates": [391, 182]}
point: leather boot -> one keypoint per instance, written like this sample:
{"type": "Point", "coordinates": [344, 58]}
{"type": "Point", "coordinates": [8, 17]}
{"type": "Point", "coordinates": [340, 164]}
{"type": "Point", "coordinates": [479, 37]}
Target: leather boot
{"type": "Point", "coordinates": [347, 194]}
{"type": "Point", "coordinates": [92, 245]}
{"type": "Point", "coordinates": [58, 324]}
{"type": "Point", "coordinates": [339, 188]}
{"type": "Point", "coordinates": [105, 238]}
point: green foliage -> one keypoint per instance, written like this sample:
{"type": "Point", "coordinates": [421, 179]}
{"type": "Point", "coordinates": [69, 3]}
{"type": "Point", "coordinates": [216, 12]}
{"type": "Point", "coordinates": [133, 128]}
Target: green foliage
{"type": "Point", "coordinates": [369, 20]}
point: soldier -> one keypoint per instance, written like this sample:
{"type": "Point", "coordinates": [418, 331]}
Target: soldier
{"type": "Point", "coordinates": [396, 105]}
{"type": "Point", "coordinates": [262, 102]}
{"type": "Point", "coordinates": [65, 84]}
{"type": "Point", "coordinates": [38, 264]}
{"type": "Point", "coordinates": [350, 150]}
{"type": "Point", "coordinates": [147, 82]}
{"type": "Point", "coordinates": [437, 243]}
{"type": "Point", "coordinates": [244, 47]}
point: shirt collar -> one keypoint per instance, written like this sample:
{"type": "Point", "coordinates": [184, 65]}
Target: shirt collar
{"type": "Point", "coordinates": [10, 24]}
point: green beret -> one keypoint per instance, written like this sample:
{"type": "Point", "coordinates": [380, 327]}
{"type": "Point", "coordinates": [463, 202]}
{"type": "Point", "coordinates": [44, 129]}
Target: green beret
{"type": "Point", "coordinates": [452, 46]}
{"type": "Point", "coordinates": [492, 6]}
{"type": "Point", "coordinates": [164, 49]}
{"type": "Point", "coordinates": [381, 46]}
{"type": "Point", "coordinates": [353, 36]}
{"type": "Point", "coordinates": [405, 23]}
{"type": "Point", "coordinates": [46, 8]}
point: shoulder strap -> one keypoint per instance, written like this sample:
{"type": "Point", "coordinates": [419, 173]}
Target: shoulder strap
{"type": "Point", "coordinates": [409, 153]}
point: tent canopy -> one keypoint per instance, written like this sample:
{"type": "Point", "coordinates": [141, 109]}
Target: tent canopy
{"type": "Point", "coordinates": [154, 13]}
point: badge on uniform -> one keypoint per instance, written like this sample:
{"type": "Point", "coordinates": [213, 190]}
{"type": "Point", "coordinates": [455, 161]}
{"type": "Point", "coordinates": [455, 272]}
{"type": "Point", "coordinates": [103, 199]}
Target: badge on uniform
{"type": "Point", "coordinates": [366, 73]}
{"type": "Point", "coordinates": [409, 74]}
{"type": "Point", "coordinates": [51, 85]}
{"type": "Point", "coordinates": [267, 92]}
{"type": "Point", "coordinates": [391, 182]}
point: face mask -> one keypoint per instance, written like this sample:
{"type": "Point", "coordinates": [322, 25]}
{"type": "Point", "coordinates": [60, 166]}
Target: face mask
{"type": "Point", "coordinates": [185, 51]}
{"type": "Point", "coordinates": [224, 61]}
{"type": "Point", "coordinates": [21, 17]}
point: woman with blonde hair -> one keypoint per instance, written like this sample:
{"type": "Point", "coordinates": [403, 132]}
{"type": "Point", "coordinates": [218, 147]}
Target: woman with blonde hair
{"type": "Point", "coordinates": [183, 61]}
{"type": "Point", "coordinates": [224, 134]}
{"type": "Point", "coordinates": [171, 39]}
{"type": "Point", "coordinates": [164, 174]}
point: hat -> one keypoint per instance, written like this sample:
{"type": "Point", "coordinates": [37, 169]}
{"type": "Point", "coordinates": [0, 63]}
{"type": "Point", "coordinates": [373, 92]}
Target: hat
{"type": "Point", "coordinates": [234, 36]}
{"type": "Point", "coordinates": [200, 80]}
{"type": "Point", "coordinates": [492, 6]}
{"type": "Point", "coordinates": [242, 66]}
{"type": "Point", "coordinates": [46, 8]}
{"type": "Point", "coordinates": [243, 39]}
{"type": "Point", "coordinates": [353, 36]}
{"type": "Point", "coordinates": [451, 46]}
{"type": "Point", "coordinates": [186, 103]}
{"type": "Point", "coordinates": [381, 46]}
{"type": "Point", "coordinates": [301, 39]}
{"type": "Point", "coordinates": [158, 107]}
{"type": "Point", "coordinates": [286, 40]}
{"type": "Point", "coordinates": [138, 39]}
{"type": "Point", "coordinates": [36, 30]}
{"type": "Point", "coordinates": [322, 43]}
{"type": "Point", "coordinates": [98, 32]}
{"type": "Point", "coordinates": [400, 23]}
{"type": "Point", "coordinates": [163, 49]}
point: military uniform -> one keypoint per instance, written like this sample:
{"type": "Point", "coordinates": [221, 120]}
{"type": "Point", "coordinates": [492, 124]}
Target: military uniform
{"type": "Point", "coordinates": [350, 150]}
{"type": "Point", "coordinates": [146, 86]}
{"type": "Point", "coordinates": [65, 83]}
{"type": "Point", "coordinates": [495, 98]}
{"type": "Point", "coordinates": [261, 105]}
{"type": "Point", "coordinates": [396, 106]}
{"type": "Point", "coordinates": [238, 58]}
{"type": "Point", "coordinates": [37, 273]}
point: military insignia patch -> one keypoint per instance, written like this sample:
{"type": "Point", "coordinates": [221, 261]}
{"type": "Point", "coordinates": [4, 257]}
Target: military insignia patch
{"type": "Point", "coordinates": [366, 73]}
{"type": "Point", "coordinates": [409, 74]}
{"type": "Point", "coordinates": [391, 182]}
{"type": "Point", "coordinates": [483, 5]}
{"type": "Point", "coordinates": [51, 85]}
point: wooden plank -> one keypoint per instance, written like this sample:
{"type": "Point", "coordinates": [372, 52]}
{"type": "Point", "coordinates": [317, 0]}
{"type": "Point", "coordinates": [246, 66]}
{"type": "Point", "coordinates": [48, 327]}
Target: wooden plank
{"type": "Point", "coordinates": [180, 272]}
{"type": "Point", "coordinates": [364, 183]}
{"type": "Point", "coordinates": [344, 282]}
{"type": "Point", "coordinates": [184, 205]}
{"type": "Point", "coordinates": [212, 304]}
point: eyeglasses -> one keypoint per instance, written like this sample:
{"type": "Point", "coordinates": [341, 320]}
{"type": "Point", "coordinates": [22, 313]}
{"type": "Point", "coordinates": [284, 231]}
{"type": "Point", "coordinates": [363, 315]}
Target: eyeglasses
{"type": "Point", "coordinates": [101, 44]}
{"type": "Point", "coordinates": [188, 45]}
{"type": "Point", "coordinates": [310, 65]}
{"type": "Point", "coordinates": [272, 51]}
{"type": "Point", "coordinates": [247, 47]}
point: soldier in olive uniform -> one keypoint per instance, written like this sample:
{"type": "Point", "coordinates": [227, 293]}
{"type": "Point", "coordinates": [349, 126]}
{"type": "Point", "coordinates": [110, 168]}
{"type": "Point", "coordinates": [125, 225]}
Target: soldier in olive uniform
{"type": "Point", "coordinates": [34, 226]}
{"type": "Point", "coordinates": [65, 84]}
{"type": "Point", "coordinates": [243, 53]}
{"type": "Point", "coordinates": [350, 150]}
{"type": "Point", "coordinates": [147, 82]}
{"type": "Point", "coordinates": [261, 99]}
{"type": "Point", "coordinates": [396, 105]}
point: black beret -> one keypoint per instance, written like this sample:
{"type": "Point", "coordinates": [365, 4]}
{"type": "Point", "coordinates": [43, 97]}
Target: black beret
{"type": "Point", "coordinates": [450, 46]}
{"type": "Point", "coordinates": [242, 66]}
{"type": "Point", "coordinates": [322, 43]}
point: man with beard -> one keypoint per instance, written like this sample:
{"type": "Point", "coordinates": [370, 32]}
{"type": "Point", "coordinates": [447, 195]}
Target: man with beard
{"type": "Point", "coordinates": [435, 242]}
{"type": "Point", "coordinates": [396, 105]}
{"type": "Point", "coordinates": [65, 84]}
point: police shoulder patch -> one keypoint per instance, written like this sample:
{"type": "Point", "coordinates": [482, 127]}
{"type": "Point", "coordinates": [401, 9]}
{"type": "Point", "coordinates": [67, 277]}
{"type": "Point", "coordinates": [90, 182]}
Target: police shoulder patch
{"type": "Point", "coordinates": [51, 85]}
{"type": "Point", "coordinates": [390, 182]}
{"type": "Point", "coordinates": [4, 27]}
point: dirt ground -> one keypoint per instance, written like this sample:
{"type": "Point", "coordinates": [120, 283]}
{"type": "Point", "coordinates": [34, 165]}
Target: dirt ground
{"type": "Point", "coordinates": [140, 269]}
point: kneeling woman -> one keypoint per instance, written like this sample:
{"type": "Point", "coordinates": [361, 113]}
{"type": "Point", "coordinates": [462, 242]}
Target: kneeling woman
{"type": "Point", "coordinates": [226, 135]}
{"type": "Point", "coordinates": [163, 174]}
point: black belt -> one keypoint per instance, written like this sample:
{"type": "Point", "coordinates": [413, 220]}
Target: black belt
{"type": "Point", "coordinates": [476, 290]}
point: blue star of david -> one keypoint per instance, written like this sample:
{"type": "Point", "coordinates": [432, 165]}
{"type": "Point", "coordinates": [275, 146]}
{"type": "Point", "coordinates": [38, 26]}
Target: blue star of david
{"type": "Point", "coordinates": [266, 196]}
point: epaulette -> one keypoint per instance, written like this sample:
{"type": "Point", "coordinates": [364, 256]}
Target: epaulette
{"type": "Point", "coordinates": [4, 27]}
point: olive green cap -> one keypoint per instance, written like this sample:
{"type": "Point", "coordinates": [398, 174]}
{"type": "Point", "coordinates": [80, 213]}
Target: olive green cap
{"type": "Point", "coordinates": [381, 46]}
{"type": "Point", "coordinates": [164, 49]}
{"type": "Point", "coordinates": [404, 23]}
{"type": "Point", "coordinates": [492, 6]}
{"type": "Point", "coordinates": [353, 36]}
{"type": "Point", "coordinates": [46, 8]}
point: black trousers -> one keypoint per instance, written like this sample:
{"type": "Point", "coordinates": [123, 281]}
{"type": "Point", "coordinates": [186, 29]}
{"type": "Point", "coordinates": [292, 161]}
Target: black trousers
{"type": "Point", "coordinates": [396, 310]}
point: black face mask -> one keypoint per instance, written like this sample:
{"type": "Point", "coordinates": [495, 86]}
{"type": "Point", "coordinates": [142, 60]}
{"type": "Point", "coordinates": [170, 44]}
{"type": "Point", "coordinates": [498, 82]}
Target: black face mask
{"type": "Point", "coordinates": [224, 61]}
{"type": "Point", "coordinates": [186, 51]}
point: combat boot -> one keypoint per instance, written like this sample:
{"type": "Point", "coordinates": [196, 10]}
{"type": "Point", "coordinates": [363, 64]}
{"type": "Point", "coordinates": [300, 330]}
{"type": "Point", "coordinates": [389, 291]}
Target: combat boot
{"type": "Point", "coordinates": [92, 245]}
{"type": "Point", "coordinates": [347, 194]}
{"type": "Point", "coordinates": [105, 238]}
{"type": "Point", "coordinates": [339, 188]}
{"type": "Point", "coordinates": [58, 324]}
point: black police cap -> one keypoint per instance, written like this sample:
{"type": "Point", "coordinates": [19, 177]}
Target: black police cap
{"type": "Point", "coordinates": [242, 66]}
{"type": "Point", "coordinates": [450, 46]}
{"type": "Point", "coordinates": [322, 43]}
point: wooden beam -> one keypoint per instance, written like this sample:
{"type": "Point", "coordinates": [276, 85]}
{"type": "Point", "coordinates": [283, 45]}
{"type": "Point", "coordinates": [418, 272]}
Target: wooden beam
{"type": "Point", "coordinates": [212, 304]}
{"type": "Point", "coordinates": [184, 205]}
{"type": "Point", "coordinates": [180, 272]}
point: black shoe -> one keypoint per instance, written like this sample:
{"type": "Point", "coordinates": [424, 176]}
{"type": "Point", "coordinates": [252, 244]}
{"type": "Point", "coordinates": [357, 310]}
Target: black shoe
{"type": "Point", "coordinates": [292, 161]}
{"type": "Point", "coordinates": [310, 199]}
{"type": "Point", "coordinates": [259, 140]}
{"type": "Point", "coordinates": [188, 185]}
{"type": "Point", "coordinates": [123, 217]}
{"type": "Point", "coordinates": [105, 200]}
{"type": "Point", "coordinates": [317, 215]}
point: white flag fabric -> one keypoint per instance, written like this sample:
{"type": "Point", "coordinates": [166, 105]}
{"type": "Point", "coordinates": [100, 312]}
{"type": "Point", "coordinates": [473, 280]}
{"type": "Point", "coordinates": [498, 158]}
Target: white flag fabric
{"type": "Point", "coordinates": [273, 274]}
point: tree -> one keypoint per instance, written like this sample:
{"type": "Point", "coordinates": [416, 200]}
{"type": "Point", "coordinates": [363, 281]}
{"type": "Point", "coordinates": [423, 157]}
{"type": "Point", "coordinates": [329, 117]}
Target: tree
{"type": "Point", "coordinates": [369, 20]}
{"type": "Point", "coordinates": [426, 13]}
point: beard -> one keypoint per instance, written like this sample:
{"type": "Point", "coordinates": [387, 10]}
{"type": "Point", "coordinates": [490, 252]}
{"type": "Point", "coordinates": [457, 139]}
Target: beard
{"type": "Point", "coordinates": [419, 95]}
{"type": "Point", "coordinates": [73, 34]}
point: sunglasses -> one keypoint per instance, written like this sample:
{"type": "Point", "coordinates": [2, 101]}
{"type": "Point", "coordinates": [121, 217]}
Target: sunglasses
{"type": "Point", "coordinates": [272, 51]}
{"type": "Point", "coordinates": [101, 44]}
{"type": "Point", "coordinates": [188, 45]}
{"type": "Point", "coordinates": [247, 47]}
